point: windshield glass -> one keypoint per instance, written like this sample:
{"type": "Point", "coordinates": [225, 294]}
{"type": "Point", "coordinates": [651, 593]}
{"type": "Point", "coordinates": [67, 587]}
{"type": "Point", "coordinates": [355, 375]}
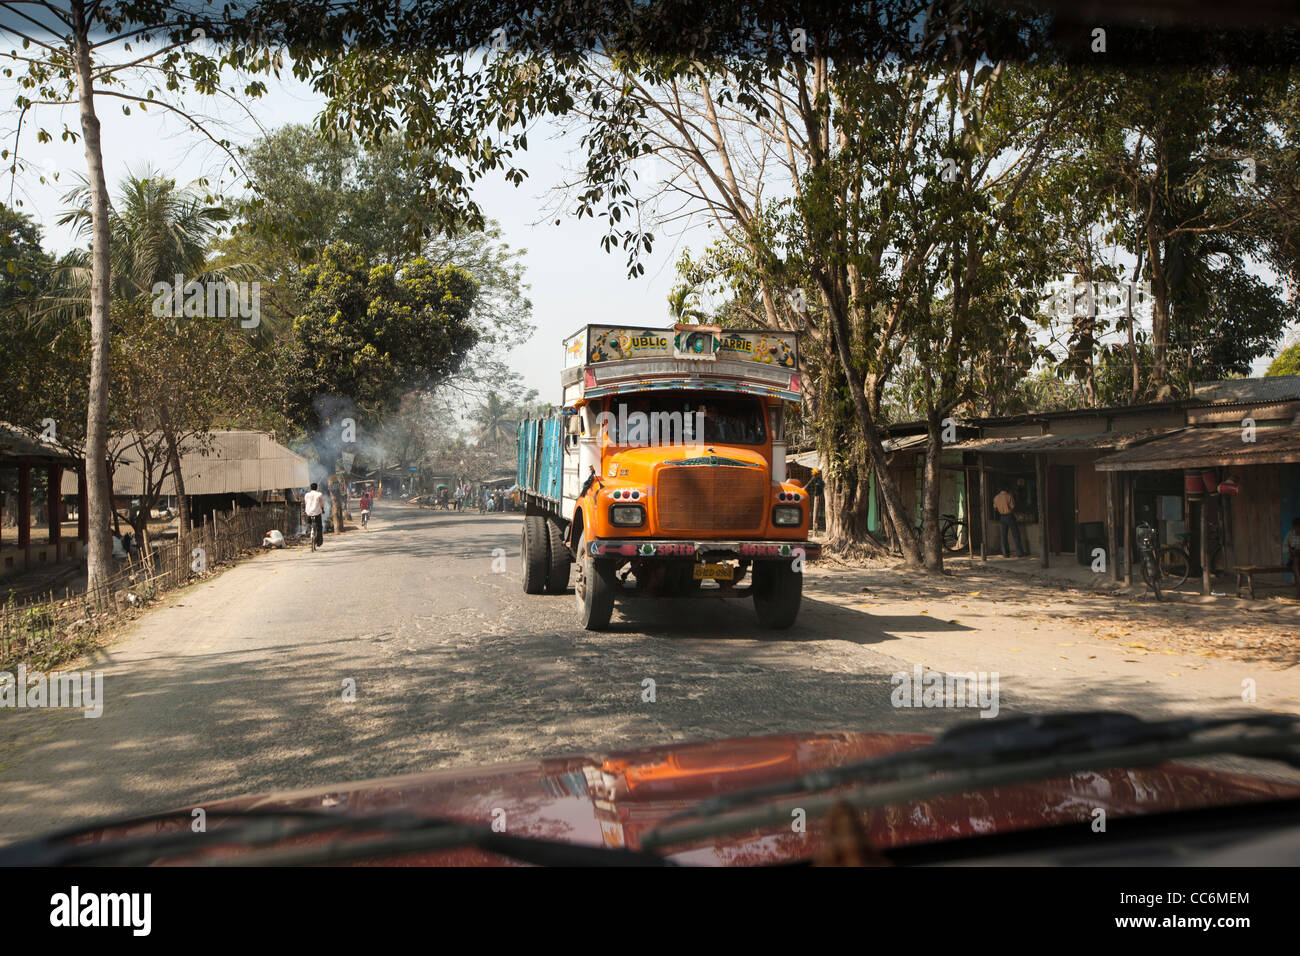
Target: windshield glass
{"type": "Point", "coordinates": [332, 369]}
{"type": "Point", "coordinates": [669, 417]}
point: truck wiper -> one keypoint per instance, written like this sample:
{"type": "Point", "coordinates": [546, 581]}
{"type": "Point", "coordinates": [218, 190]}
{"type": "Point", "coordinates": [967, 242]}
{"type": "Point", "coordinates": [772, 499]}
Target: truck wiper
{"type": "Point", "coordinates": [397, 834]}
{"type": "Point", "coordinates": [986, 754]}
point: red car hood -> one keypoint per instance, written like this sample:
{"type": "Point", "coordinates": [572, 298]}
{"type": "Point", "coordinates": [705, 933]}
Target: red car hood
{"type": "Point", "coordinates": [612, 800]}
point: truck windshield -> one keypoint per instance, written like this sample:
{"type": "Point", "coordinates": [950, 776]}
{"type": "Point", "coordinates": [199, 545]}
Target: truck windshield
{"type": "Point", "coordinates": [679, 417]}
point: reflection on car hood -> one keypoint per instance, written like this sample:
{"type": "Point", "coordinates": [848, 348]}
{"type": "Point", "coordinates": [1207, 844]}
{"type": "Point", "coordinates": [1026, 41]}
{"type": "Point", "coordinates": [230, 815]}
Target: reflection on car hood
{"type": "Point", "coordinates": [613, 799]}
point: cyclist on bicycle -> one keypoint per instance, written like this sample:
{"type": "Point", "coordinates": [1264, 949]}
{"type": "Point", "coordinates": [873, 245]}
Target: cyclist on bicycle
{"type": "Point", "coordinates": [366, 502]}
{"type": "Point", "coordinates": [313, 505]}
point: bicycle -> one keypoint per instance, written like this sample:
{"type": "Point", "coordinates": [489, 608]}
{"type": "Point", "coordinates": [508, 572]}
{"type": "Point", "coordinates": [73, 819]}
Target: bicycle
{"type": "Point", "coordinates": [953, 531]}
{"type": "Point", "coordinates": [315, 530]}
{"type": "Point", "coordinates": [1146, 542]}
{"type": "Point", "coordinates": [1176, 563]}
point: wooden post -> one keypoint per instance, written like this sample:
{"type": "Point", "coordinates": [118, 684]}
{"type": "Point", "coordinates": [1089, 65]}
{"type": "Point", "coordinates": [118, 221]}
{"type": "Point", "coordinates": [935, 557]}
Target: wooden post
{"type": "Point", "coordinates": [54, 504]}
{"type": "Point", "coordinates": [1113, 524]}
{"type": "Point", "coordinates": [972, 515]}
{"type": "Point", "coordinates": [1041, 472]}
{"type": "Point", "coordinates": [1226, 536]}
{"type": "Point", "coordinates": [1127, 519]}
{"type": "Point", "coordinates": [25, 512]}
{"type": "Point", "coordinates": [979, 513]}
{"type": "Point", "coordinates": [83, 518]}
{"type": "Point", "coordinates": [1205, 543]}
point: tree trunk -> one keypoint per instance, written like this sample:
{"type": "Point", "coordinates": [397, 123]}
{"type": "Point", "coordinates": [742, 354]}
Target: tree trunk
{"type": "Point", "coordinates": [99, 550]}
{"type": "Point", "coordinates": [1159, 318]}
{"type": "Point", "coordinates": [861, 406]}
{"type": "Point", "coordinates": [931, 539]}
{"type": "Point", "coordinates": [335, 496]}
{"type": "Point", "coordinates": [182, 501]}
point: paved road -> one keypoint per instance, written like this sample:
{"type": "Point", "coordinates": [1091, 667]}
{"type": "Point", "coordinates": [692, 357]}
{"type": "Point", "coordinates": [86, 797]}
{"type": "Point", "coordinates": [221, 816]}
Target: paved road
{"type": "Point", "coordinates": [237, 685]}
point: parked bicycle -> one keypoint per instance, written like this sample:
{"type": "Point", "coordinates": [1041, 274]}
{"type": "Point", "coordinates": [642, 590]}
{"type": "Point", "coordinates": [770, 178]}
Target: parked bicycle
{"type": "Point", "coordinates": [1148, 561]}
{"type": "Point", "coordinates": [1176, 564]}
{"type": "Point", "coordinates": [952, 532]}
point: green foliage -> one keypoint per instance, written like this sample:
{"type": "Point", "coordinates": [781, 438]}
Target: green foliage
{"type": "Point", "coordinates": [1287, 362]}
{"type": "Point", "coordinates": [158, 231]}
{"type": "Point", "coordinates": [312, 191]}
{"type": "Point", "coordinates": [372, 333]}
{"type": "Point", "coordinates": [43, 361]}
{"type": "Point", "coordinates": [24, 265]}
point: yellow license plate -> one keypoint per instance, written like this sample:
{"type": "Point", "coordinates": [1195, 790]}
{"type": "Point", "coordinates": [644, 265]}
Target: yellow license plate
{"type": "Point", "coordinates": [718, 572]}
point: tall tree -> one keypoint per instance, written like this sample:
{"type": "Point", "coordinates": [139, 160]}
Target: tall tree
{"type": "Point", "coordinates": [367, 336]}
{"type": "Point", "coordinates": [159, 231]}
{"type": "Point", "coordinates": [143, 54]}
{"type": "Point", "coordinates": [310, 191]}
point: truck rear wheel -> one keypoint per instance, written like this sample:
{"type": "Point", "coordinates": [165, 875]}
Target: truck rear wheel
{"type": "Point", "coordinates": [594, 588]}
{"type": "Point", "coordinates": [557, 571]}
{"type": "Point", "coordinates": [533, 553]}
{"type": "Point", "coordinates": [778, 590]}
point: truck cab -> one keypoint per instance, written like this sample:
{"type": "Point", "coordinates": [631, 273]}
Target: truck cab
{"type": "Point", "coordinates": [663, 476]}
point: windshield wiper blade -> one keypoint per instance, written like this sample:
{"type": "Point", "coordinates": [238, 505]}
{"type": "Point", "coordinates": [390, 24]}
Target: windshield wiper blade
{"type": "Point", "coordinates": [975, 756]}
{"type": "Point", "coordinates": [401, 833]}
{"type": "Point", "coordinates": [537, 851]}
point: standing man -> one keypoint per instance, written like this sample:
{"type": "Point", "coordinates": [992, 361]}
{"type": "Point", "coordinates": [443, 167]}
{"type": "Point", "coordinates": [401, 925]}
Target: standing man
{"type": "Point", "coordinates": [816, 485]}
{"type": "Point", "coordinates": [313, 503]}
{"type": "Point", "coordinates": [1005, 505]}
{"type": "Point", "coordinates": [1291, 551]}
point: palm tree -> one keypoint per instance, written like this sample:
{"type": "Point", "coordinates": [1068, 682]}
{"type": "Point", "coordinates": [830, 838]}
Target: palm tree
{"type": "Point", "coordinates": [158, 232]}
{"type": "Point", "coordinates": [681, 305]}
{"type": "Point", "coordinates": [493, 418]}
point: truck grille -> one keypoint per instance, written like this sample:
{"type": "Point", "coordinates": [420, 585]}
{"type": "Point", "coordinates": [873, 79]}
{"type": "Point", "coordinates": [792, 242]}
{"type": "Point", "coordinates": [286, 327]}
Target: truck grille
{"type": "Point", "coordinates": [702, 498]}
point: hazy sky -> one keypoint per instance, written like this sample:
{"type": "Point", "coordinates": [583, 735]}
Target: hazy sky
{"type": "Point", "coordinates": [572, 280]}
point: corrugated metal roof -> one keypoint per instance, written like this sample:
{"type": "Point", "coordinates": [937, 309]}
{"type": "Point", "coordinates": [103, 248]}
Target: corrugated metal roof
{"type": "Point", "coordinates": [1208, 448]}
{"type": "Point", "coordinates": [19, 442]}
{"type": "Point", "coordinates": [892, 445]}
{"type": "Point", "coordinates": [805, 459]}
{"type": "Point", "coordinates": [1278, 388]}
{"type": "Point", "coordinates": [224, 462]}
{"type": "Point", "coordinates": [1031, 444]}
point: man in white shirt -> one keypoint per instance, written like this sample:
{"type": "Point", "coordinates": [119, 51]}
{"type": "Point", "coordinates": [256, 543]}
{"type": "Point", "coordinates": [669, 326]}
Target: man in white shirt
{"type": "Point", "coordinates": [313, 503]}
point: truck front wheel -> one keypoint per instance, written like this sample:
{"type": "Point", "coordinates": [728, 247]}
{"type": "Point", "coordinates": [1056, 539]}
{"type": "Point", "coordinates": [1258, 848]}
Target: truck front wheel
{"type": "Point", "coordinates": [533, 553]}
{"type": "Point", "coordinates": [778, 589]}
{"type": "Point", "coordinates": [594, 589]}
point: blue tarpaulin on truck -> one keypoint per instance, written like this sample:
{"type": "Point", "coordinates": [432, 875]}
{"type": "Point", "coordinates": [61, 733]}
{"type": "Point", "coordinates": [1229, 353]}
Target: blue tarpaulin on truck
{"type": "Point", "coordinates": [541, 457]}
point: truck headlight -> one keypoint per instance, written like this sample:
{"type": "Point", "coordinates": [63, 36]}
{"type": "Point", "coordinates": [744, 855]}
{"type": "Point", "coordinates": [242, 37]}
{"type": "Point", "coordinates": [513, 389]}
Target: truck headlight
{"type": "Point", "coordinates": [786, 516]}
{"type": "Point", "coordinates": [627, 516]}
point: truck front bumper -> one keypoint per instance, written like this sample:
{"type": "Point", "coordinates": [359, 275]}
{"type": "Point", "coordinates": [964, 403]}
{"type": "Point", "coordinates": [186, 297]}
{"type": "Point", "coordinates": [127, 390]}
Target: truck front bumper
{"type": "Point", "coordinates": [711, 550]}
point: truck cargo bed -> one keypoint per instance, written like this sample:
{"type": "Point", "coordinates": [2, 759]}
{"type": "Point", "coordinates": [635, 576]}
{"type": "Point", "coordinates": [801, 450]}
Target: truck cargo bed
{"type": "Point", "coordinates": [541, 457]}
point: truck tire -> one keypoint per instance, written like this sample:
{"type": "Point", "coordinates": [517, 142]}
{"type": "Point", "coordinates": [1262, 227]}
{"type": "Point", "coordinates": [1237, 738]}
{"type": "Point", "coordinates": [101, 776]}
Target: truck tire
{"type": "Point", "coordinates": [778, 589]}
{"type": "Point", "coordinates": [533, 554]}
{"type": "Point", "coordinates": [594, 589]}
{"type": "Point", "coordinates": [557, 571]}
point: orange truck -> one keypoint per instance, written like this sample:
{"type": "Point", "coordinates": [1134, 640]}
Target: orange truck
{"type": "Point", "coordinates": [663, 472]}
